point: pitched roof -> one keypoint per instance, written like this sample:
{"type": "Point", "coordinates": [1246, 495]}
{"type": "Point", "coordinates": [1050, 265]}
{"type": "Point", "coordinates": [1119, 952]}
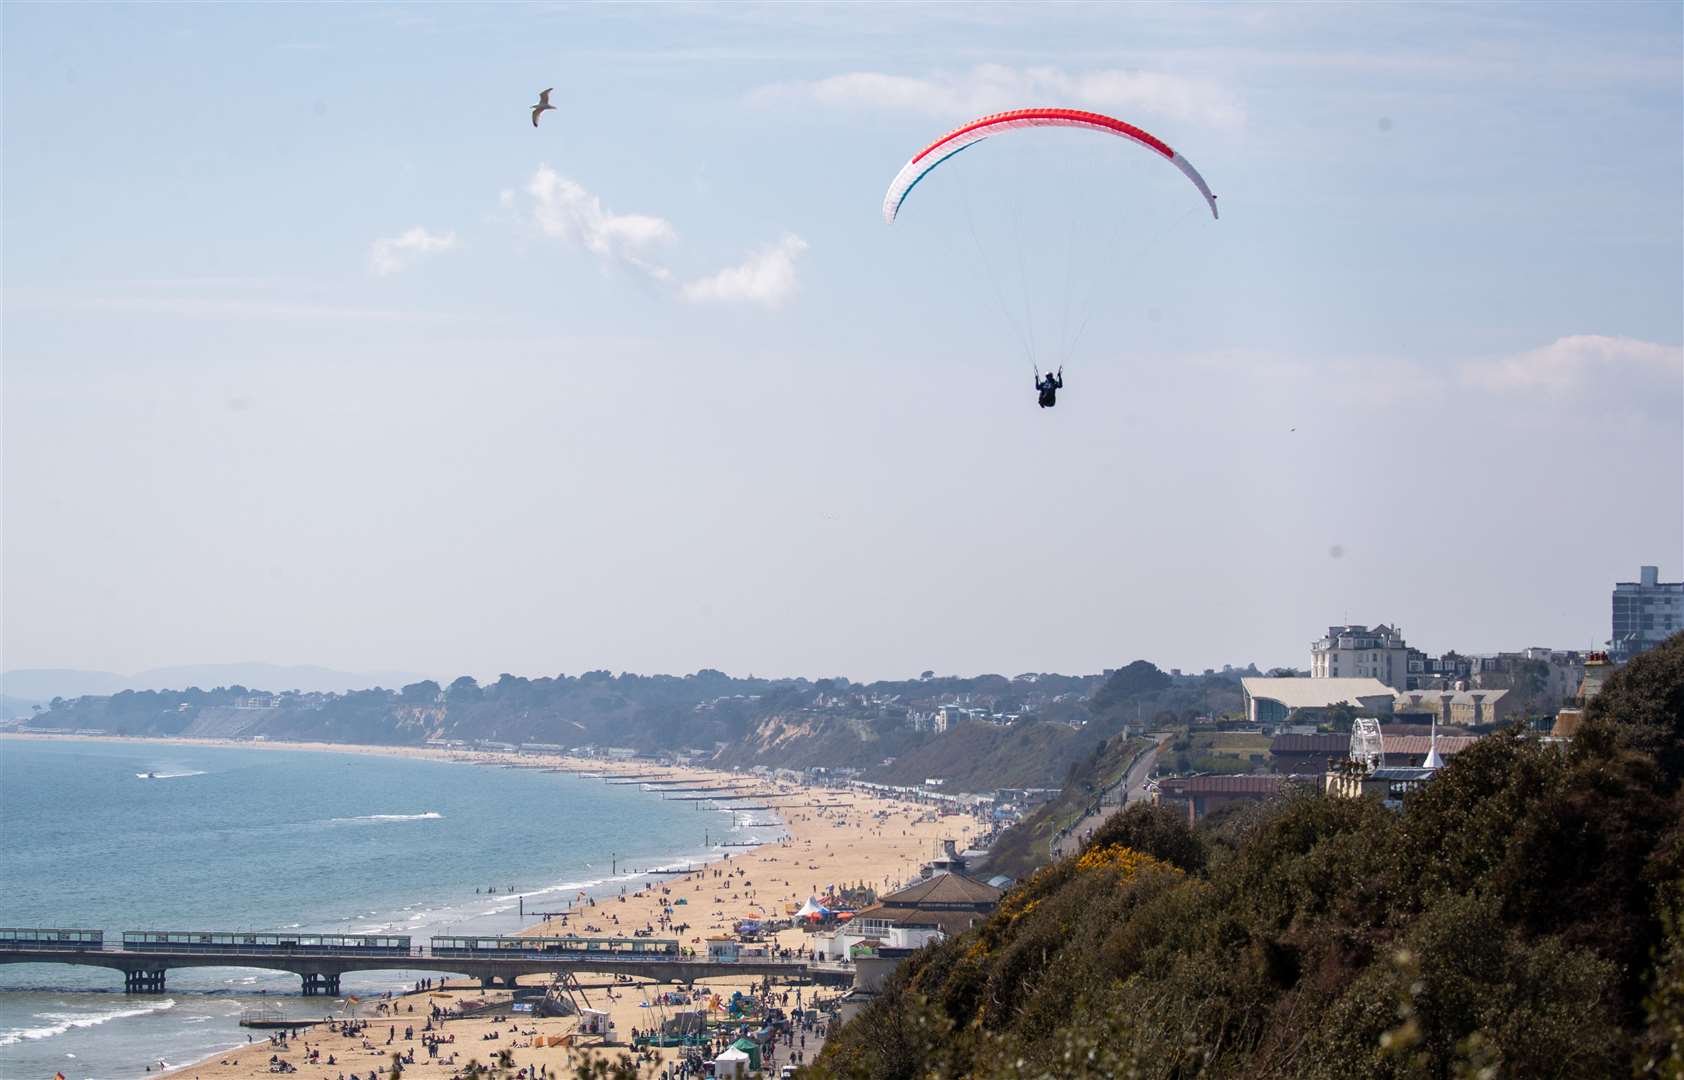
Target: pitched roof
{"type": "Point", "coordinates": [1254, 784]}
{"type": "Point", "coordinates": [947, 888]}
{"type": "Point", "coordinates": [1419, 744]}
{"type": "Point", "coordinates": [948, 920]}
{"type": "Point", "coordinates": [1315, 693]}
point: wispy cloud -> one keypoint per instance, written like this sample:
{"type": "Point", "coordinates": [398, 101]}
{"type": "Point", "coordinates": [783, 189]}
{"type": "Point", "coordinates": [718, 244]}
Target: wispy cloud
{"type": "Point", "coordinates": [993, 87]}
{"type": "Point", "coordinates": [563, 210]}
{"type": "Point", "coordinates": [1572, 365]}
{"type": "Point", "coordinates": [766, 277]}
{"type": "Point", "coordinates": [390, 254]}
{"type": "Point", "coordinates": [1580, 375]}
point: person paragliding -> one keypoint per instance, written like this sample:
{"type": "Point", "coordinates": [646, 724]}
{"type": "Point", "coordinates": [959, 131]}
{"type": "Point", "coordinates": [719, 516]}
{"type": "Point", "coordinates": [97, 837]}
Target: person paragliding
{"type": "Point", "coordinates": [944, 149]}
{"type": "Point", "coordinates": [1049, 386]}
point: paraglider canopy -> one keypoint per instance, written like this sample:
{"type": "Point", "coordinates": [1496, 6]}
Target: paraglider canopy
{"type": "Point", "coordinates": [1054, 241]}
{"type": "Point", "coordinates": [998, 123]}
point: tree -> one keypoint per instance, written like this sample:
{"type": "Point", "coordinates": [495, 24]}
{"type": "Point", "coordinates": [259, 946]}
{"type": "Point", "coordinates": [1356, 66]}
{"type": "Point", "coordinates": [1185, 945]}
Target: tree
{"type": "Point", "coordinates": [424, 692]}
{"type": "Point", "coordinates": [1139, 678]}
{"type": "Point", "coordinates": [463, 691]}
{"type": "Point", "coordinates": [1642, 708]}
{"type": "Point", "coordinates": [1155, 830]}
{"type": "Point", "coordinates": [1340, 717]}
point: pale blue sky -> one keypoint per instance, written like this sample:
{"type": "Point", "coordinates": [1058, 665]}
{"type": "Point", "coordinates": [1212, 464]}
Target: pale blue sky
{"type": "Point", "coordinates": [317, 352]}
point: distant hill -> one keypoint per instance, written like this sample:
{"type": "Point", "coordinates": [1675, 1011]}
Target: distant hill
{"type": "Point", "coordinates": [1026, 731]}
{"type": "Point", "coordinates": [13, 707]}
{"type": "Point", "coordinates": [44, 684]}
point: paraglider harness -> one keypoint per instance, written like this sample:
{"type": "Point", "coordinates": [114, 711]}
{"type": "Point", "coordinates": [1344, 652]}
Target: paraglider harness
{"type": "Point", "coordinates": [1049, 386]}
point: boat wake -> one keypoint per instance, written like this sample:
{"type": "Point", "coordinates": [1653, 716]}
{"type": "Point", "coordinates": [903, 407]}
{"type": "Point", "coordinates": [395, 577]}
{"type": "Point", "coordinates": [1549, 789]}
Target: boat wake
{"type": "Point", "coordinates": [431, 815]}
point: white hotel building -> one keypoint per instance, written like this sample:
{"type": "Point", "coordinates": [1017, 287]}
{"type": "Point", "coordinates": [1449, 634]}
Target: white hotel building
{"type": "Point", "coordinates": [1356, 652]}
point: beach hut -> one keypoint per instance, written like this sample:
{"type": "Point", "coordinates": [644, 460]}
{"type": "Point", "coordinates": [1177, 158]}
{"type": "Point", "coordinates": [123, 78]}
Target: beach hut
{"type": "Point", "coordinates": [595, 1022]}
{"type": "Point", "coordinates": [732, 1064]}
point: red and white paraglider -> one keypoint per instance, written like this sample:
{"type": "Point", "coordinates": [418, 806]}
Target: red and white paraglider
{"type": "Point", "coordinates": [999, 123]}
{"type": "Point", "coordinates": [967, 135]}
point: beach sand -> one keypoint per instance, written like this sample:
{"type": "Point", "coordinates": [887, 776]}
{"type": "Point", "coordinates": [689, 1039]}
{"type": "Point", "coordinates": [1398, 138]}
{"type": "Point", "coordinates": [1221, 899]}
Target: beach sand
{"type": "Point", "coordinates": [873, 840]}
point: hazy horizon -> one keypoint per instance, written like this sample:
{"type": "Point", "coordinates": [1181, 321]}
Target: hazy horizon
{"type": "Point", "coordinates": [317, 352]}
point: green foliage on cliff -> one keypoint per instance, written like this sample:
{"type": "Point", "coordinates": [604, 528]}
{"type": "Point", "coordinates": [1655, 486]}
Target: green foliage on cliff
{"type": "Point", "coordinates": [1028, 844]}
{"type": "Point", "coordinates": [1519, 917]}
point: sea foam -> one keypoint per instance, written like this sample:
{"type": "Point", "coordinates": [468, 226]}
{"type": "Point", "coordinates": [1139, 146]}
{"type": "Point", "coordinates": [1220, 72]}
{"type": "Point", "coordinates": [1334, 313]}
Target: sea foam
{"type": "Point", "coordinates": [61, 1022]}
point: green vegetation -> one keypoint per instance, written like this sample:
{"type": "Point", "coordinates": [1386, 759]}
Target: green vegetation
{"type": "Point", "coordinates": [1028, 844]}
{"type": "Point", "coordinates": [1033, 729]}
{"type": "Point", "coordinates": [1519, 917]}
{"type": "Point", "coordinates": [980, 757]}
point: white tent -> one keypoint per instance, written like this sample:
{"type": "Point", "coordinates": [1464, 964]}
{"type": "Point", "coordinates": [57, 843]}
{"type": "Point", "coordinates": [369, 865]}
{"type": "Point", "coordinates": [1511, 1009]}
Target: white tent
{"type": "Point", "coordinates": [812, 907]}
{"type": "Point", "coordinates": [732, 1063]}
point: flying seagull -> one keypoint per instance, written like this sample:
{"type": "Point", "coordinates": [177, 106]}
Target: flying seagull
{"type": "Point", "coordinates": [543, 104]}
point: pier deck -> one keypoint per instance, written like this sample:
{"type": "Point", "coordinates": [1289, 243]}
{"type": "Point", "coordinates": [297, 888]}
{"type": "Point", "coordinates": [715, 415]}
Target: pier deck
{"type": "Point", "coordinates": [144, 970]}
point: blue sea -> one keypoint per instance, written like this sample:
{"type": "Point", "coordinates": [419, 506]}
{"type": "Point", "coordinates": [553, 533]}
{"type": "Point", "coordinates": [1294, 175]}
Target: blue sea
{"type": "Point", "coordinates": [230, 838]}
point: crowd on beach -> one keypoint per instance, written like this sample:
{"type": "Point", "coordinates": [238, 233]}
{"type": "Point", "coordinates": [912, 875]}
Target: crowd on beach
{"type": "Point", "coordinates": [866, 837]}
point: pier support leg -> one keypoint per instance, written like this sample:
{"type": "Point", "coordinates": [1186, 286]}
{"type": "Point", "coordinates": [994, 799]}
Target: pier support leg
{"type": "Point", "coordinates": [143, 982]}
{"type": "Point", "coordinates": [319, 985]}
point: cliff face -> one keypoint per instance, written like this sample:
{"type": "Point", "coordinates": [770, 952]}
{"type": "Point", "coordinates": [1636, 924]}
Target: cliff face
{"type": "Point", "coordinates": [968, 757]}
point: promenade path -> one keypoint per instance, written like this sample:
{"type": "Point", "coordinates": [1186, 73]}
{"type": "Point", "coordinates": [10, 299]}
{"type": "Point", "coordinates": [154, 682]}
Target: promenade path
{"type": "Point", "coordinates": [1134, 788]}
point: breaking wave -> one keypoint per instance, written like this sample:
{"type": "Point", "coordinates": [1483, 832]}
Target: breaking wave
{"type": "Point", "coordinates": [61, 1022]}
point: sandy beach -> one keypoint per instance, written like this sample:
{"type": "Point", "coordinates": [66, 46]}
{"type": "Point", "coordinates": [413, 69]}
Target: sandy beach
{"type": "Point", "coordinates": [854, 838]}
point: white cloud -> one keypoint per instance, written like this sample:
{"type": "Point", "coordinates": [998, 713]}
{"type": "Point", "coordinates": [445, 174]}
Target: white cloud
{"type": "Point", "coordinates": [766, 277]}
{"type": "Point", "coordinates": [1571, 365]}
{"type": "Point", "coordinates": [564, 210]}
{"type": "Point", "coordinates": [390, 254]}
{"type": "Point", "coordinates": [994, 87]}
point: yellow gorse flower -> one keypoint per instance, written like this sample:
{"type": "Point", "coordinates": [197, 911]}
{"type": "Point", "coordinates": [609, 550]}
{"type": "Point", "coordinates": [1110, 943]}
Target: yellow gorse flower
{"type": "Point", "coordinates": [1124, 859]}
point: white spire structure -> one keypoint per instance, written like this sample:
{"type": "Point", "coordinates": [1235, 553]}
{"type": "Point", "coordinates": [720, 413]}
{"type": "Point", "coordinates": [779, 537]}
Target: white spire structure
{"type": "Point", "coordinates": [1433, 760]}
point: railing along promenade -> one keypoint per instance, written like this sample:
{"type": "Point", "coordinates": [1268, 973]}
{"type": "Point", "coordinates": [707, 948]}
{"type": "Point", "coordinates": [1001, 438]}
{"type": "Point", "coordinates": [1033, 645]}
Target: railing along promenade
{"type": "Point", "coordinates": [321, 966]}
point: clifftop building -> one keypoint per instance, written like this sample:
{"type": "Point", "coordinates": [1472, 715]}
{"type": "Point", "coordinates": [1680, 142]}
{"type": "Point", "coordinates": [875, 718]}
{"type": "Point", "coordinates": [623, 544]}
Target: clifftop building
{"type": "Point", "coordinates": [1646, 612]}
{"type": "Point", "coordinates": [1296, 700]}
{"type": "Point", "coordinates": [1356, 652]}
